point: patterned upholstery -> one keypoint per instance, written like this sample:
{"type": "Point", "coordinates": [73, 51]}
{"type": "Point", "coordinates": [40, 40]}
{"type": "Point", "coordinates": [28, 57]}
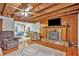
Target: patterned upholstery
{"type": "Point", "coordinates": [7, 40]}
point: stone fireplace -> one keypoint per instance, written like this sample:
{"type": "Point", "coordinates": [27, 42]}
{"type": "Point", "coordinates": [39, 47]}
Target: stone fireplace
{"type": "Point", "coordinates": [54, 34]}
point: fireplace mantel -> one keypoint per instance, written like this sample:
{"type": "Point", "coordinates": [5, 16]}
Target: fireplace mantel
{"type": "Point", "coordinates": [57, 29]}
{"type": "Point", "coordinates": [55, 26]}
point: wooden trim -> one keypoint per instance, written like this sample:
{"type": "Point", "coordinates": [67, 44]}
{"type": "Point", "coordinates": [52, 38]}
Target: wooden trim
{"type": "Point", "coordinates": [0, 25]}
{"type": "Point", "coordinates": [3, 8]}
{"type": "Point", "coordinates": [54, 26]}
{"type": "Point", "coordinates": [9, 50]}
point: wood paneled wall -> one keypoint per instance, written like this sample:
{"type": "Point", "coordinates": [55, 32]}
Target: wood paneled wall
{"type": "Point", "coordinates": [72, 20]}
{"type": "Point", "coordinates": [0, 30]}
{"type": "Point", "coordinates": [0, 25]}
{"type": "Point", "coordinates": [73, 28]}
{"type": "Point", "coordinates": [44, 23]}
{"type": "Point", "coordinates": [70, 35]}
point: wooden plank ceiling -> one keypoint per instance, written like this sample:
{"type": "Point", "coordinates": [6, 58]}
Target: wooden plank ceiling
{"type": "Point", "coordinates": [41, 10]}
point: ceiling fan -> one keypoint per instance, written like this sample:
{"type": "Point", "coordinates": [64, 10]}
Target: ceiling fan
{"type": "Point", "coordinates": [25, 12]}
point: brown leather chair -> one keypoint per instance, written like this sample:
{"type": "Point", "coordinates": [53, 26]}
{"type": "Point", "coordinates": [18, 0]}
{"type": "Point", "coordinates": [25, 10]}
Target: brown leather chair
{"type": "Point", "coordinates": [7, 40]}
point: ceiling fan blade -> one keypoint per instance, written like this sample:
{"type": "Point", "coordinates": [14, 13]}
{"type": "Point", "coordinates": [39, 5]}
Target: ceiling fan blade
{"type": "Point", "coordinates": [16, 8]}
{"type": "Point", "coordinates": [28, 8]}
{"type": "Point", "coordinates": [31, 13]}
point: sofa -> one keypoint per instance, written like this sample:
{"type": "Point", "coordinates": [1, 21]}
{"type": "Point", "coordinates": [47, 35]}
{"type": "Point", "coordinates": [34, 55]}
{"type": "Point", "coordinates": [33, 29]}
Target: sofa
{"type": "Point", "coordinates": [8, 40]}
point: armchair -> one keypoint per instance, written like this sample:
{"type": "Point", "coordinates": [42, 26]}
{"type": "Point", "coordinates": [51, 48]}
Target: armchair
{"type": "Point", "coordinates": [7, 40]}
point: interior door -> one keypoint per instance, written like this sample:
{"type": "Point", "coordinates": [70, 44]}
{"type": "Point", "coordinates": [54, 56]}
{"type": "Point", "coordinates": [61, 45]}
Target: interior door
{"type": "Point", "coordinates": [72, 49]}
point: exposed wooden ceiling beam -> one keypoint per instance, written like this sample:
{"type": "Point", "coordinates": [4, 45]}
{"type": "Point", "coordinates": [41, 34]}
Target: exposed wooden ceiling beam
{"type": "Point", "coordinates": [34, 5]}
{"type": "Point", "coordinates": [9, 10]}
{"type": "Point", "coordinates": [52, 9]}
{"type": "Point", "coordinates": [3, 8]}
{"type": "Point", "coordinates": [42, 7]}
{"type": "Point", "coordinates": [20, 19]}
{"type": "Point", "coordinates": [23, 5]}
{"type": "Point", "coordinates": [56, 16]}
{"type": "Point", "coordinates": [75, 7]}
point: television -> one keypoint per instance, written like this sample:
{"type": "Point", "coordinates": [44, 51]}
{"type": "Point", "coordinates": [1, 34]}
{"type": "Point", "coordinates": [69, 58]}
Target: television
{"type": "Point", "coordinates": [54, 22]}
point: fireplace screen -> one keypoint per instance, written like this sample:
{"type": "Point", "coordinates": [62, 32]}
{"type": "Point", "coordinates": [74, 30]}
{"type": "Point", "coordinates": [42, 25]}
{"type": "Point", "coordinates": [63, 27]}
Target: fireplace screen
{"type": "Point", "coordinates": [53, 35]}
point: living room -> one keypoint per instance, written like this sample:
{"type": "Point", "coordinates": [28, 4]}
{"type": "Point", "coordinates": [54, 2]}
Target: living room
{"type": "Point", "coordinates": [50, 28]}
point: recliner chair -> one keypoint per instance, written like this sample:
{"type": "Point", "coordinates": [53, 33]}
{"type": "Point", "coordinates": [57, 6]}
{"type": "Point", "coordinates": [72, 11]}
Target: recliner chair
{"type": "Point", "coordinates": [7, 40]}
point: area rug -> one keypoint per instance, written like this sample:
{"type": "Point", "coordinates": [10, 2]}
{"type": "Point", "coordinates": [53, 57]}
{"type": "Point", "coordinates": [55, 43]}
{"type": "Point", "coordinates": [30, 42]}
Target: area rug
{"type": "Point", "coordinates": [36, 50]}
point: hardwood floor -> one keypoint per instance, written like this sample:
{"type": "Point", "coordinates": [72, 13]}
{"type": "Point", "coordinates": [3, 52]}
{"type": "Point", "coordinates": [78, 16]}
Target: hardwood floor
{"type": "Point", "coordinates": [67, 50]}
{"type": "Point", "coordinates": [56, 46]}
